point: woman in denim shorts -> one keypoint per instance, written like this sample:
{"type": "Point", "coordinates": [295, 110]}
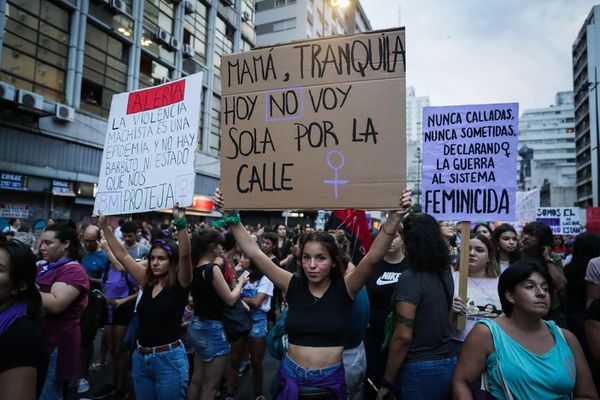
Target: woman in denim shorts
{"type": "Point", "coordinates": [206, 332]}
{"type": "Point", "coordinates": [159, 363]}
{"type": "Point", "coordinates": [257, 295]}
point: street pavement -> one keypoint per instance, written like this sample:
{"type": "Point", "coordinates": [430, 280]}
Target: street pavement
{"type": "Point", "coordinates": [101, 377]}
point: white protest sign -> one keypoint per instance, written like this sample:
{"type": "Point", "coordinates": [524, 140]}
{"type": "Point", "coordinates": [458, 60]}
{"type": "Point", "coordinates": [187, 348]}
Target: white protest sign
{"type": "Point", "coordinates": [527, 205]}
{"type": "Point", "coordinates": [151, 140]}
{"type": "Point", "coordinates": [562, 220]}
{"type": "Point", "coordinates": [469, 162]}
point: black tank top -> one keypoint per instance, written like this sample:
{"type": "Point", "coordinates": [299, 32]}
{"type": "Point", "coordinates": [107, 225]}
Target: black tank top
{"type": "Point", "coordinates": [313, 322]}
{"type": "Point", "coordinates": [206, 304]}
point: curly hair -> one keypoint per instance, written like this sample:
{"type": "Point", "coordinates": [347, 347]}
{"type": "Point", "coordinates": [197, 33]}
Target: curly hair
{"type": "Point", "coordinates": [426, 249]}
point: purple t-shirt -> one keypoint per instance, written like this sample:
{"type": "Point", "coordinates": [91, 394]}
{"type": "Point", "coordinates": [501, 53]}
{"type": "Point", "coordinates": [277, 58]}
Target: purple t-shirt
{"type": "Point", "coordinates": [116, 285]}
{"type": "Point", "coordinates": [62, 330]}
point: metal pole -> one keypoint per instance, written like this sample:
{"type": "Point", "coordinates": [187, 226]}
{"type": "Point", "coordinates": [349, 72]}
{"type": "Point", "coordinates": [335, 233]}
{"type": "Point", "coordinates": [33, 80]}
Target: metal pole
{"type": "Point", "coordinates": [597, 136]}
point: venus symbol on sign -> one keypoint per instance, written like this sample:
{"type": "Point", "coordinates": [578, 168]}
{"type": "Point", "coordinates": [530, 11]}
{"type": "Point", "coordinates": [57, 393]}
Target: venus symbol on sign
{"type": "Point", "coordinates": [335, 168]}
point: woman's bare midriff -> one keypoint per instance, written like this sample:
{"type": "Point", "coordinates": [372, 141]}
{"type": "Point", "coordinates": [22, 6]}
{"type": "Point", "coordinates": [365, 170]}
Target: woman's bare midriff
{"type": "Point", "coordinates": [315, 357]}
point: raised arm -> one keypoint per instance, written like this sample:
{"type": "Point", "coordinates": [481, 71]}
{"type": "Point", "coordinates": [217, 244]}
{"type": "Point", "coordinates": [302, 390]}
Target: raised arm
{"type": "Point", "coordinates": [359, 277]}
{"type": "Point", "coordinates": [184, 275]}
{"type": "Point", "coordinates": [136, 270]}
{"type": "Point", "coordinates": [279, 276]}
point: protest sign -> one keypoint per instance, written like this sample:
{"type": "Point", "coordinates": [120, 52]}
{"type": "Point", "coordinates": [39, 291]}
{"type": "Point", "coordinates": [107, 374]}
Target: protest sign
{"type": "Point", "coordinates": [151, 140]}
{"type": "Point", "coordinates": [316, 124]}
{"type": "Point", "coordinates": [469, 161]}
{"type": "Point", "coordinates": [527, 205]}
{"type": "Point", "coordinates": [562, 220]}
{"type": "Point", "coordinates": [592, 215]}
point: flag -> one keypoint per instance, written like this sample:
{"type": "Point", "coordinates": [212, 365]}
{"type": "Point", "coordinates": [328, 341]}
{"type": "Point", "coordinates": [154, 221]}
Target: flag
{"type": "Point", "coordinates": [354, 223]}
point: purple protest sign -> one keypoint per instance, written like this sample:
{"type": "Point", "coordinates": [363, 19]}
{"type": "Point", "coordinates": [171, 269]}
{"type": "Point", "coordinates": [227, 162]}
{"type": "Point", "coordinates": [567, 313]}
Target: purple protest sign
{"type": "Point", "coordinates": [469, 162]}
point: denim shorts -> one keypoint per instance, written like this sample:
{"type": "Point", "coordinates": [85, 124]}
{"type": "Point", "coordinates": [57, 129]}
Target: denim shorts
{"type": "Point", "coordinates": [300, 373]}
{"type": "Point", "coordinates": [259, 324]}
{"type": "Point", "coordinates": [208, 338]}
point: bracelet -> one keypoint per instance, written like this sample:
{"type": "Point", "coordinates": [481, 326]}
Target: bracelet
{"type": "Point", "coordinates": [549, 261]}
{"type": "Point", "coordinates": [226, 220]}
{"type": "Point", "coordinates": [179, 223]}
{"type": "Point", "coordinates": [386, 232]}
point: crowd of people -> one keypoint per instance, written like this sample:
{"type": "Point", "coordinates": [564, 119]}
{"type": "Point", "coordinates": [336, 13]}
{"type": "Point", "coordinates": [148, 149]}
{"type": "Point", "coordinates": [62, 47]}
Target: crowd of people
{"type": "Point", "coordinates": [163, 299]}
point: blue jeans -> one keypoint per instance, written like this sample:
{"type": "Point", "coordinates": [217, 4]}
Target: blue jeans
{"type": "Point", "coordinates": [159, 376]}
{"type": "Point", "coordinates": [51, 389]}
{"type": "Point", "coordinates": [430, 380]}
{"type": "Point", "coordinates": [301, 373]}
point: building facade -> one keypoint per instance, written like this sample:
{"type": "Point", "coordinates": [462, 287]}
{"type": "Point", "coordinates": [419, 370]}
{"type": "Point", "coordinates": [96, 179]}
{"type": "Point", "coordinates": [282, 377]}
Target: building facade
{"type": "Point", "coordinates": [279, 21]}
{"type": "Point", "coordinates": [550, 133]}
{"type": "Point", "coordinates": [586, 77]}
{"type": "Point", "coordinates": [414, 134]}
{"type": "Point", "coordinates": [61, 63]}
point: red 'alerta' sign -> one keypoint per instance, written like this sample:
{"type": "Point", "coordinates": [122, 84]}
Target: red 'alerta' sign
{"type": "Point", "coordinates": [149, 99]}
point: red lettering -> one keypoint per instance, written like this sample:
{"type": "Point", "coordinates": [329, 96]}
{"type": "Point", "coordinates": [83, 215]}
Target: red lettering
{"type": "Point", "coordinates": [149, 99]}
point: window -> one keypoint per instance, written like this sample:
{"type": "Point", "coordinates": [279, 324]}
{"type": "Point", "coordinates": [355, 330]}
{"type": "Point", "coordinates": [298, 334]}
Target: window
{"type": "Point", "coordinates": [104, 70]}
{"type": "Point", "coordinates": [214, 141]}
{"type": "Point", "coordinates": [284, 3]}
{"type": "Point", "coordinates": [284, 25]}
{"type": "Point", "coordinates": [195, 34]}
{"type": "Point", "coordinates": [35, 52]}
{"type": "Point", "coordinates": [223, 43]}
{"type": "Point", "coordinates": [152, 72]}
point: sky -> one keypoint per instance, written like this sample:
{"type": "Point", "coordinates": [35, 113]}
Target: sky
{"type": "Point", "coordinates": [486, 51]}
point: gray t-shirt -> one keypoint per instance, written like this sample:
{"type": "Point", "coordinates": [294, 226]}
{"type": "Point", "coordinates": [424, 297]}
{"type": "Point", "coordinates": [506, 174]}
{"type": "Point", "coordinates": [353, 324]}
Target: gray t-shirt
{"type": "Point", "coordinates": [431, 331]}
{"type": "Point", "coordinates": [139, 251]}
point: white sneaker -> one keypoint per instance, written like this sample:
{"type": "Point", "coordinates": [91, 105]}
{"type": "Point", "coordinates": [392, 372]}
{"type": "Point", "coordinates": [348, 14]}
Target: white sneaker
{"type": "Point", "coordinates": [83, 386]}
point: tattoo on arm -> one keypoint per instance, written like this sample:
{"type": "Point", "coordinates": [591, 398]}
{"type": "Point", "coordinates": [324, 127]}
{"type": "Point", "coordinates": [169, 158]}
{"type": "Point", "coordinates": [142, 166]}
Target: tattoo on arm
{"type": "Point", "coordinates": [401, 319]}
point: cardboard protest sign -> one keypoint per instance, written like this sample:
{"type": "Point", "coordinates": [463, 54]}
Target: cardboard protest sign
{"type": "Point", "coordinates": [527, 205]}
{"type": "Point", "coordinates": [562, 220]}
{"type": "Point", "coordinates": [150, 147]}
{"type": "Point", "coordinates": [316, 124]}
{"type": "Point", "coordinates": [469, 161]}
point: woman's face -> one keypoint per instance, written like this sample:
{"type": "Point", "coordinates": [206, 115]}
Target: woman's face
{"type": "Point", "coordinates": [267, 246]}
{"type": "Point", "coordinates": [316, 262]}
{"type": "Point", "coordinates": [483, 230]}
{"type": "Point", "coordinates": [281, 231]}
{"type": "Point", "coordinates": [159, 261]}
{"type": "Point", "coordinates": [508, 241]}
{"type": "Point", "coordinates": [5, 283]}
{"type": "Point", "coordinates": [447, 229]}
{"type": "Point", "coordinates": [51, 248]}
{"type": "Point", "coordinates": [397, 244]}
{"type": "Point", "coordinates": [478, 256]}
{"type": "Point", "coordinates": [532, 296]}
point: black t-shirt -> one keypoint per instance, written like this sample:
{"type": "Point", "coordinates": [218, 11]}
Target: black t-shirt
{"type": "Point", "coordinates": [380, 289]}
{"type": "Point", "coordinates": [160, 317]}
{"type": "Point", "coordinates": [593, 311]}
{"type": "Point", "coordinates": [206, 301]}
{"type": "Point", "coordinates": [23, 345]}
{"type": "Point", "coordinates": [313, 322]}
{"type": "Point", "coordinates": [431, 332]}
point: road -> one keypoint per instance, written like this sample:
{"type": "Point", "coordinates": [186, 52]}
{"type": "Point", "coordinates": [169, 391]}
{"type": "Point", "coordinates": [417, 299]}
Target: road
{"type": "Point", "coordinates": [101, 377]}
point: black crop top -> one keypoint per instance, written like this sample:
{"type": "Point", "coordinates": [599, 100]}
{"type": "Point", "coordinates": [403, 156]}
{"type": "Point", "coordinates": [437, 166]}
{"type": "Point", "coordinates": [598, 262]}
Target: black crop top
{"type": "Point", "coordinates": [323, 322]}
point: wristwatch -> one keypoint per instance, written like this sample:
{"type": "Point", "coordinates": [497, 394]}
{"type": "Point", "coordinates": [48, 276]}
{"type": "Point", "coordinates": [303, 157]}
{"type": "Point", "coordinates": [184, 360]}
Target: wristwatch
{"type": "Point", "coordinates": [549, 261]}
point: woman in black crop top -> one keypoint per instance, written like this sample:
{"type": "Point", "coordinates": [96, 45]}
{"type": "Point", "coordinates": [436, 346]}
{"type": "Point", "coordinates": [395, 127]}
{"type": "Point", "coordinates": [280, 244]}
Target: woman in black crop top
{"type": "Point", "coordinates": [160, 366]}
{"type": "Point", "coordinates": [206, 332]}
{"type": "Point", "coordinates": [320, 302]}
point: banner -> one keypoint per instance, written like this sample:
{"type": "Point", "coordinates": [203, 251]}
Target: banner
{"type": "Point", "coordinates": [316, 124]}
{"type": "Point", "coordinates": [356, 227]}
{"type": "Point", "coordinates": [527, 205]}
{"type": "Point", "coordinates": [562, 220]}
{"type": "Point", "coordinates": [150, 147]}
{"type": "Point", "coordinates": [469, 162]}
